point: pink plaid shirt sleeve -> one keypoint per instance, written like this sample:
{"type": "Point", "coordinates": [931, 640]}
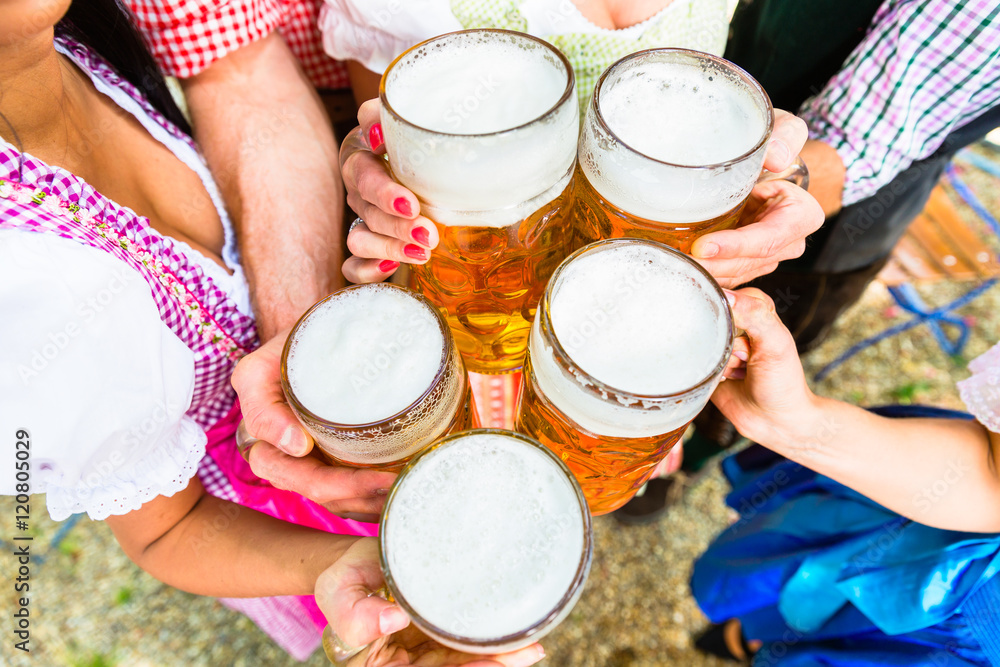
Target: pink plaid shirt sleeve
{"type": "Point", "coordinates": [925, 69]}
{"type": "Point", "coordinates": [186, 36]}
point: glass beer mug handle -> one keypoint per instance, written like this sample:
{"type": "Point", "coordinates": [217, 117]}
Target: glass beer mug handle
{"type": "Point", "coordinates": [353, 143]}
{"type": "Point", "coordinates": [798, 174]}
{"type": "Point", "coordinates": [336, 649]}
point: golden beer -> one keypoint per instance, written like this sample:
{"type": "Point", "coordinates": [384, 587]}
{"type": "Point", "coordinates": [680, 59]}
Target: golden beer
{"type": "Point", "coordinates": [488, 280]}
{"type": "Point", "coordinates": [629, 342]}
{"type": "Point", "coordinates": [482, 126]}
{"type": "Point", "coordinates": [373, 374]}
{"type": "Point", "coordinates": [610, 470]}
{"type": "Point", "coordinates": [672, 144]}
{"type": "Point", "coordinates": [596, 218]}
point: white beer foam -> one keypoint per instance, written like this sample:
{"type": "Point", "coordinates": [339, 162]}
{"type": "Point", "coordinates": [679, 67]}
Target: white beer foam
{"type": "Point", "coordinates": [475, 87]}
{"type": "Point", "coordinates": [682, 115]}
{"type": "Point", "coordinates": [461, 86]}
{"type": "Point", "coordinates": [637, 319]}
{"type": "Point", "coordinates": [484, 536]}
{"type": "Point", "coordinates": [365, 355]}
{"type": "Point", "coordinates": [678, 110]}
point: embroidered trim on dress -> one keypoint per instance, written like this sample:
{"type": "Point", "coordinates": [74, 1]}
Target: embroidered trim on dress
{"type": "Point", "coordinates": [207, 327]}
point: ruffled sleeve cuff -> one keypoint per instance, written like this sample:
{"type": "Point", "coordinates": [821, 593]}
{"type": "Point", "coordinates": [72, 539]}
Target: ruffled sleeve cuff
{"type": "Point", "coordinates": [164, 471]}
{"type": "Point", "coordinates": [91, 371]}
{"type": "Point", "coordinates": [981, 391]}
{"type": "Point", "coordinates": [374, 32]}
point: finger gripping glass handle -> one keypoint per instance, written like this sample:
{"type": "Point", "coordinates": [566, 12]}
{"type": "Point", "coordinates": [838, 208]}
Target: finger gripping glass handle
{"type": "Point", "coordinates": [797, 173]}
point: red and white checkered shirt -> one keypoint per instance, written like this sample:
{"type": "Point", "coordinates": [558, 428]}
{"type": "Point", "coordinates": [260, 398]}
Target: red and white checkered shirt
{"type": "Point", "coordinates": [186, 36]}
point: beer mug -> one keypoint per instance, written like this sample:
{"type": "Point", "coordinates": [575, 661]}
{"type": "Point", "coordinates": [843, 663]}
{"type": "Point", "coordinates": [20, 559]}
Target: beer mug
{"type": "Point", "coordinates": [630, 340]}
{"type": "Point", "coordinates": [672, 144]}
{"type": "Point", "coordinates": [486, 541]}
{"type": "Point", "coordinates": [482, 126]}
{"type": "Point", "coordinates": [373, 374]}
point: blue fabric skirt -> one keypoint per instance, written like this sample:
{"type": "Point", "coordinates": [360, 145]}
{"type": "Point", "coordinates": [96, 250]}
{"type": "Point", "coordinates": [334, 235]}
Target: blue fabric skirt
{"type": "Point", "coordinates": [824, 576]}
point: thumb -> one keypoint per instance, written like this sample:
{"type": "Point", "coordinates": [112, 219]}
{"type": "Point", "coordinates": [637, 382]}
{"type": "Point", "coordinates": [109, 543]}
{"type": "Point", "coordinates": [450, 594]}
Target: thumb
{"type": "Point", "coordinates": [257, 381]}
{"type": "Point", "coordinates": [770, 341]}
{"type": "Point", "coordinates": [344, 592]}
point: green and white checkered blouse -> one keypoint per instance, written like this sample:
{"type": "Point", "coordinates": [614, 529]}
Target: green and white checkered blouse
{"type": "Point", "coordinates": [373, 32]}
{"type": "Point", "coordinates": [692, 24]}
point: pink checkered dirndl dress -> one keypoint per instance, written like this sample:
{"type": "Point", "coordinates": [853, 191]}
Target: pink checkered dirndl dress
{"type": "Point", "coordinates": [36, 197]}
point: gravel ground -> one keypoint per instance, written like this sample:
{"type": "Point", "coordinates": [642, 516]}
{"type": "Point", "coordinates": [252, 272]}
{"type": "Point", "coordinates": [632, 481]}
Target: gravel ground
{"type": "Point", "coordinates": [92, 608]}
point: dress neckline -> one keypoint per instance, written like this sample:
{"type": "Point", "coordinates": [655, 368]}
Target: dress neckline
{"type": "Point", "coordinates": [230, 272]}
{"type": "Point", "coordinates": [635, 27]}
{"type": "Point", "coordinates": [230, 278]}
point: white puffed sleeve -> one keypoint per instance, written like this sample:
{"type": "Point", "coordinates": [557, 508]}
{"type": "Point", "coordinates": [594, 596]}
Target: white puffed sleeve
{"type": "Point", "coordinates": [374, 32]}
{"type": "Point", "coordinates": [981, 391]}
{"type": "Point", "coordinates": [93, 375]}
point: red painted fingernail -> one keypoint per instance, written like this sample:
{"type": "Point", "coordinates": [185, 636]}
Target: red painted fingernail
{"type": "Point", "coordinates": [375, 139]}
{"type": "Point", "coordinates": [421, 235]}
{"type": "Point", "coordinates": [403, 206]}
{"type": "Point", "coordinates": [414, 252]}
{"type": "Point", "coordinates": [387, 265]}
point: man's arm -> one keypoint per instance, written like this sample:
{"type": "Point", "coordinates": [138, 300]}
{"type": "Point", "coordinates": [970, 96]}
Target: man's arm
{"type": "Point", "coordinates": [269, 143]}
{"type": "Point", "coordinates": [920, 73]}
{"type": "Point", "coordinates": [826, 175]}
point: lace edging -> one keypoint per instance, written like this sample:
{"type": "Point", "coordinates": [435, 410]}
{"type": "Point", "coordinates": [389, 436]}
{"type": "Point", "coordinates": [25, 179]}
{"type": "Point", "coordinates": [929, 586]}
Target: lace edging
{"type": "Point", "coordinates": [164, 473]}
{"type": "Point", "coordinates": [981, 395]}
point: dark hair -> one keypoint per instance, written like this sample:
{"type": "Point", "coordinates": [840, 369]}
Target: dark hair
{"type": "Point", "coordinates": [107, 27]}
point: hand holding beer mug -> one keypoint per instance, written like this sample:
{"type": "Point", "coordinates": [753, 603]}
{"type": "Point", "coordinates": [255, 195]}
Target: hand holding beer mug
{"type": "Point", "coordinates": [773, 404]}
{"type": "Point", "coordinates": [630, 340]}
{"type": "Point", "coordinates": [374, 376]}
{"type": "Point", "coordinates": [482, 126]}
{"type": "Point", "coordinates": [781, 214]}
{"type": "Point", "coordinates": [486, 543]}
{"type": "Point", "coordinates": [280, 450]}
{"type": "Point", "coordinates": [672, 145]}
{"type": "Point", "coordinates": [367, 630]}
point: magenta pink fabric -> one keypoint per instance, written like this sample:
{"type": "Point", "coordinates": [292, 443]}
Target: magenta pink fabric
{"type": "Point", "coordinates": [258, 494]}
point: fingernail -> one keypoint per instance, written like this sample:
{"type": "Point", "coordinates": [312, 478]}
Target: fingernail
{"type": "Point", "coordinates": [421, 235]}
{"type": "Point", "coordinates": [541, 651]}
{"type": "Point", "coordinates": [375, 139]}
{"type": "Point", "coordinates": [402, 204]}
{"type": "Point", "coordinates": [392, 619]}
{"type": "Point", "coordinates": [730, 297]}
{"type": "Point", "coordinates": [293, 442]}
{"type": "Point", "coordinates": [706, 250]}
{"type": "Point", "coordinates": [387, 265]}
{"type": "Point", "coordinates": [414, 252]}
{"type": "Point", "coordinates": [780, 151]}
{"type": "Point", "coordinates": [381, 492]}
{"type": "Point", "coordinates": [741, 355]}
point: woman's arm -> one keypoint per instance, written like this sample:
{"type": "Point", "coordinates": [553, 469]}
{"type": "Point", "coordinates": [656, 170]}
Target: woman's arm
{"type": "Point", "coordinates": [938, 472]}
{"type": "Point", "coordinates": [201, 544]}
